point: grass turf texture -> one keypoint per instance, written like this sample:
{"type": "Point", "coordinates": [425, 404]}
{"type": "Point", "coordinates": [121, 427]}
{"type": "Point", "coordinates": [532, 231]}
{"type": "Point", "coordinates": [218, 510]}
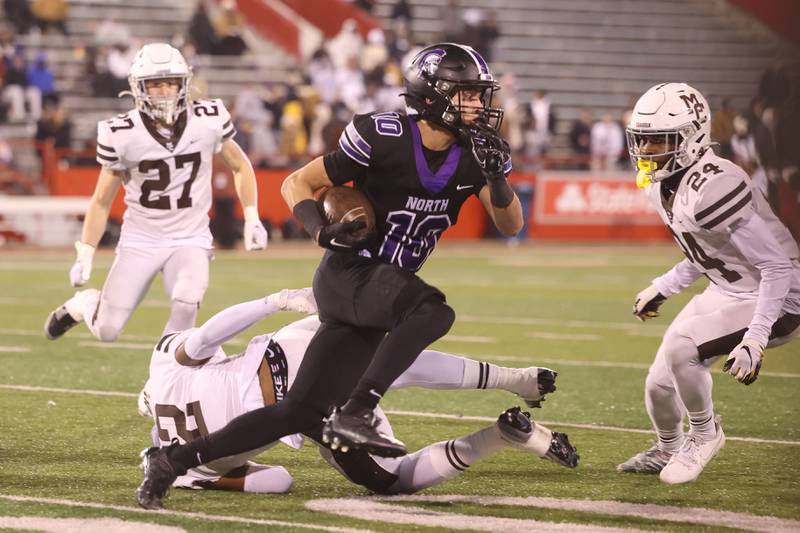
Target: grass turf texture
{"type": "Point", "coordinates": [536, 304]}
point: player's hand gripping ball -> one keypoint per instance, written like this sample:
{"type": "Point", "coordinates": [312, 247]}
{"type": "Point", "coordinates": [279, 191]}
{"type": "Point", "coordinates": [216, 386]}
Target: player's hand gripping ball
{"type": "Point", "coordinates": [349, 207]}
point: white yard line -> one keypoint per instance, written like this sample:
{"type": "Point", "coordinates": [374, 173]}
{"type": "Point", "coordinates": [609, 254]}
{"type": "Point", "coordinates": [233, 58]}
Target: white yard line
{"type": "Point", "coordinates": [117, 345]}
{"type": "Point", "coordinates": [531, 321]}
{"type": "Point", "coordinates": [549, 335]}
{"type": "Point", "coordinates": [442, 416]}
{"type": "Point", "coordinates": [181, 514]}
{"type": "Point", "coordinates": [469, 338]}
{"type": "Point", "coordinates": [15, 349]}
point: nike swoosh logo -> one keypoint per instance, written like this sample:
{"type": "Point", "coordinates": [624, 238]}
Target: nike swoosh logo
{"type": "Point", "coordinates": [462, 187]}
{"type": "Point", "coordinates": [193, 141]}
{"type": "Point", "coordinates": [340, 245]}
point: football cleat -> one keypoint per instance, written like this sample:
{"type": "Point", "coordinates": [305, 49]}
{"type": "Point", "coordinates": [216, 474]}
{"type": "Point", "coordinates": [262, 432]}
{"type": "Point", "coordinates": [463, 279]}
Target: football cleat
{"type": "Point", "coordinates": [343, 432]}
{"type": "Point", "coordinates": [520, 431]}
{"type": "Point", "coordinates": [58, 323]}
{"type": "Point", "coordinates": [159, 474]}
{"type": "Point", "coordinates": [650, 461]}
{"type": "Point", "coordinates": [694, 454]}
{"type": "Point", "coordinates": [538, 382]}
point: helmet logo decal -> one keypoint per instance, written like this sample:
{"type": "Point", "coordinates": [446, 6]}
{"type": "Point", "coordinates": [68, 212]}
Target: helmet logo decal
{"type": "Point", "coordinates": [693, 103]}
{"type": "Point", "coordinates": [429, 63]}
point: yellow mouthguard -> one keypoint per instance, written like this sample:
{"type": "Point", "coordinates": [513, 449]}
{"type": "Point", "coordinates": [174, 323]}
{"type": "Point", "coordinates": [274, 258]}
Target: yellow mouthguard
{"type": "Point", "coordinates": [646, 169]}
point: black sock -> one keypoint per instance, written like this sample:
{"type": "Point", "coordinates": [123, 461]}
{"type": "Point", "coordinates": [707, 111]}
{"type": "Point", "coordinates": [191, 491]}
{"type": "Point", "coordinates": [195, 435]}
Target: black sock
{"type": "Point", "coordinates": [398, 350]}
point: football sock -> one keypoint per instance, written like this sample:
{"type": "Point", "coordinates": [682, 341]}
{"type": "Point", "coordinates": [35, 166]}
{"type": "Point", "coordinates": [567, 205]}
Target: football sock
{"type": "Point", "coordinates": [182, 316]}
{"type": "Point", "coordinates": [694, 385]}
{"type": "Point", "coordinates": [83, 304]}
{"type": "Point", "coordinates": [445, 460]}
{"type": "Point", "coordinates": [666, 415]}
{"type": "Point", "coordinates": [267, 479]}
{"type": "Point", "coordinates": [398, 350]}
{"type": "Point", "coordinates": [437, 370]}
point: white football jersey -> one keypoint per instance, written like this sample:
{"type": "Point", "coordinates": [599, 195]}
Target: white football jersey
{"type": "Point", "coordinates": [168, 181]}
{"type": "Point", "coordinates": [712, 198]}
{"type": "Point", "coordinates": [188, 402]}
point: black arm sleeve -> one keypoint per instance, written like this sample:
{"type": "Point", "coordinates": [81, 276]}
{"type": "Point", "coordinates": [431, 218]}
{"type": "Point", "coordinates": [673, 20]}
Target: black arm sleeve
{"type": "Point", "coordinates": [341, 169]}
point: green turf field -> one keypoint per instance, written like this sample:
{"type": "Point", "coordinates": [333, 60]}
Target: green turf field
{"type": "Point", "coordinates": [73, 454]}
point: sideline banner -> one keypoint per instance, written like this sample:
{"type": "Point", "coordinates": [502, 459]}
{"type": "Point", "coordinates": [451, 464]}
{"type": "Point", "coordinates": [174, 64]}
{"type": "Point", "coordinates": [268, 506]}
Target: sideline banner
{"type": "Point", "coordinates": [575, 205]}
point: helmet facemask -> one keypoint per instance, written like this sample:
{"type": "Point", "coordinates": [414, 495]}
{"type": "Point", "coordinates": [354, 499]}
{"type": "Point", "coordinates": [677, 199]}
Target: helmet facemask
{"type": "Point", "coordinates": [652, 168]}
{"type": "Point", "coordinates": [163, 108]}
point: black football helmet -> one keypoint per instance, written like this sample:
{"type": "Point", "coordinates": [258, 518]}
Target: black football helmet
{"type": "Point", "coordinates": [435, 77]}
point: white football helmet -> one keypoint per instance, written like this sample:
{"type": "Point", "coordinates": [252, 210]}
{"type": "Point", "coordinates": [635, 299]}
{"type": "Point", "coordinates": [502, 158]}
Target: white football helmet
{"type": "Point", "coordinates": [678, 116]}
{"type": "Point", "coordinates": [160, 61]}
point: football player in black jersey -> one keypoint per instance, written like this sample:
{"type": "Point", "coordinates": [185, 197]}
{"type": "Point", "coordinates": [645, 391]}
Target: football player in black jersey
{"type": "Point", "coordinates": [377, 315]}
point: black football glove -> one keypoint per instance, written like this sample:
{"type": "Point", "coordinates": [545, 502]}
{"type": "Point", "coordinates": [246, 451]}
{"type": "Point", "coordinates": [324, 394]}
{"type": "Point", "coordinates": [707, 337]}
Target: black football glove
{"type": "Point", "coordinates": [489, 149]}
{"type": "Point", "coordinates": [342, 236]}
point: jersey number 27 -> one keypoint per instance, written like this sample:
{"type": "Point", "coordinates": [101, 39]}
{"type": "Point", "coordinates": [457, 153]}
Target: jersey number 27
{"type": "Point", "coordinates": [162, 181]}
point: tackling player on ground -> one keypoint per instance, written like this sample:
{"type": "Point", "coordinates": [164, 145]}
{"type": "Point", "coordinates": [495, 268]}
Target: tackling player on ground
{"type": "Point", "coordinates": [729, 234]}
{"type": "Point", "coordinates": [195, 389]}
{"type": "Point", "coordinates": [161, 152]}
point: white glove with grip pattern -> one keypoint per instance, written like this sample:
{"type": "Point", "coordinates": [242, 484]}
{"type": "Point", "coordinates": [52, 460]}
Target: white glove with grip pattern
{"type": "Point", "coordinates": [744, 361]}
{"type": "Point", "coordinates": [82, 268]}
{"type": "Point", "coordinates": [647, 303]}
{"type": "Point", "coordinates": [255, 234]}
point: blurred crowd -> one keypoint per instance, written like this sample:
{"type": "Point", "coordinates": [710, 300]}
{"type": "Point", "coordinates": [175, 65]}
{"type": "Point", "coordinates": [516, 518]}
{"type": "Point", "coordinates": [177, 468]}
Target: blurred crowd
{"type": "Point", "coordinates": [285, 123]}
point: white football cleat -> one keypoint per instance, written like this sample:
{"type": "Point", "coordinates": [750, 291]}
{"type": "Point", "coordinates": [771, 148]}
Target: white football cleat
{"type": "Point", "coordinates": [694, 454]}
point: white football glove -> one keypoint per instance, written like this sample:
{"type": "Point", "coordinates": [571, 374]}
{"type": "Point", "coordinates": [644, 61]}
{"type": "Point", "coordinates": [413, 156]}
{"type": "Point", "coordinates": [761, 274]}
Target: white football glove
{"type": "Point", "coordinates": [744, 361]}
{"type": "Point", "coordinates": [82, 269]}
{"type": "Point", "coordinates": [647, 303]}
{"type": "Point", "coordinates": [255, 234]}
{"type": "Point", "coordinates": [300, 300]}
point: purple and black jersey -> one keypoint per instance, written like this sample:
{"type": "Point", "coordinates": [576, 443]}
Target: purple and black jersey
{"type": "Point", "coordinates": [416, 193]}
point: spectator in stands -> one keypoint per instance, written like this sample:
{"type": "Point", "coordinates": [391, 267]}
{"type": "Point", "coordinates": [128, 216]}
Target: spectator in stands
{"type": "Point", "coordinates": [452, 20]}
{"type": "Point", "coordinates": [366, 5]}
{"type": "Point", "coordinates": [230, 26]}
{"type": "Point", "coordinates": [580, 136]}
{"type": "Point", "coordinates": [722, 128]}
{"type": "Point", "coordinates": [402, 10]}
{"type": "Point", "coordinates": [19, 15]}
{"type": "Point", "coordinates": [350, 81]}
{"type": "Point", "coordinates": [7, 46]}
{"type": "Point", "coordinates": [398, 42]}
{"type": "Point", "coordinates": [54, 128]}
{"type": "Point", "coordinates": [346, 45]}
{"type": "Point", "coordinates": [294, 139]}
{"type": "Point", "coordinates": [254, 124]}
{"type": "Point", "coordinates": [202, 34]}
{"type": "Point", "coordinates": [470, 33]}
{"type": "Point", "coordinates": [374, 53]}
{"type": "Point", "coordinates": [508, 99]}
{"type": "Point", "coordinates": [322, 74]}
{"type": "Point", "coordinates": [17, 90]}
{"type": "Point", "coordinates": [540, 124]}
{"type": "Point", "coordinates": [118, 62]}
{"type": "Point", "coordinates": [488, 33]}
{"type": "Point", "coordinates": [606, 143]}
{"type": "Point", "coordinates": [51, 14]}
{"type": "Point", "coordinates": [112, 33]}
{"type": "Point", "coordinates": [40, 76]}
{"type": "Point", "coordinates": [743, 146]}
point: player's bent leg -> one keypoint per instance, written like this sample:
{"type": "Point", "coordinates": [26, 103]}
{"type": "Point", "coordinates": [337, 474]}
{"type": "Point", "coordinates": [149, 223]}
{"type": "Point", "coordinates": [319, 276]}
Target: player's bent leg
{"type": "Point", "coordinates": [251, 477]}
{"type": "Point", "coordinates": [688, 463]}
{"type": "Point", "coordinates": [185, 281]}
{"type": "Point", "coordinates": [71, 313]}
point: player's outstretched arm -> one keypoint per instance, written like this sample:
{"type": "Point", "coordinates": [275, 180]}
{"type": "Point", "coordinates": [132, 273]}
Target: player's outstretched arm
{"type": "Point", "coordinates": [204, 342]}
{"type": "Point", "coordinates": [647, 302]}
{"type": "Point", "coordinates": [94, 224]}
{"type": "Point", "coordinates": [244, 177]}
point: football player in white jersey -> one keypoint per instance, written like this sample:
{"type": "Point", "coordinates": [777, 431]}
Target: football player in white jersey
{"type": "Point", "coordinates": [728, 234]}
{"type": "Point", "coordinates": [195, 389]}
{"type": "Point", "coordinates": [161, 152]}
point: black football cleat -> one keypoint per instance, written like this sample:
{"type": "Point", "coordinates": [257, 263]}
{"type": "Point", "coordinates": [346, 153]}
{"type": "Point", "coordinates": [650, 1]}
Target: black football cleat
{"type": "Point", "coordinates": [541, 382]}
{"type": "Point", "coordinates": [520, 431]}
{"type": "Point", "coordinates": [58, 322]}
{"type": "Point", "coordinates": [159, 474]}
{"type": "Point", "coordinates": [342, 432]}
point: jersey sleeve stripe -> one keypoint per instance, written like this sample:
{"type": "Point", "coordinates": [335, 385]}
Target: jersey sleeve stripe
{"type": "Point", "coordinates": [355, 146]}
{"type": "Point", "coordinates": [225, 126]}
{"type": "Point", "coordinates": [164, 338]}
{"type": "Point", "coordinates": [721, 202]}
{"type": "Point", "coordinates": [106, 158]}
{"type": "Point", "coordinates": [106, 148]}
{"type": "Point", "coordinates": [229, 134]}
{"type": "Point", "coordinates": [356, 156]}
{"type": "Point", "coordinates": [358, 141]}
{"type": "Point", "coordinates": [730, 212]}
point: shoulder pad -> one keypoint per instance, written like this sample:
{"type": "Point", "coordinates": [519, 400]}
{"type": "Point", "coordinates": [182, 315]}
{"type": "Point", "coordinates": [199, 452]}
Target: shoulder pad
{"type": "Point", "coordinates": [110, 143]}
{"type": "Point", "coordinates": [724, 197]}
{"type": "Point", "coordinates": [357, 138]}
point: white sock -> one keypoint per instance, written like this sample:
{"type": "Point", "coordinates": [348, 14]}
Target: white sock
{"type": "Point", "coordinates": [479, 375]}
{"type": "Point", "coordinates": [445, 460]}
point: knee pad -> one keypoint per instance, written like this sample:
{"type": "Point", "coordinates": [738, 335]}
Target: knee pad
{"type": "Point", "coordinates": [183, 314]}
{"type": "Point", "coordinates": [437, 313]}
{"type": "Point", "coordinates": [679, 351]}
{"type": "Point", "coordinates": [109, 323]}
{"type": "Point", "coordinates": [188, 291]}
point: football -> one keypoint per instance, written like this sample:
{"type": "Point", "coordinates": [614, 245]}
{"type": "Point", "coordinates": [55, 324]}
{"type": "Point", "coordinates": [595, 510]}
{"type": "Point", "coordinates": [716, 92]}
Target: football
{"type": "Point", "coordinates": [345, 204]}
